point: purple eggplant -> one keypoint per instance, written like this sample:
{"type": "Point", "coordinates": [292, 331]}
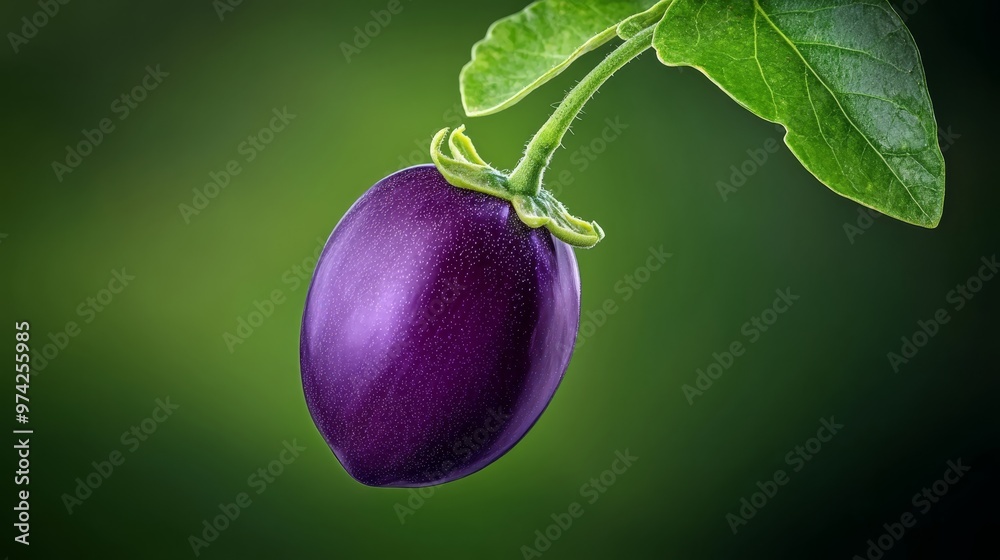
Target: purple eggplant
{"type": "Point", "coordinates": [436, 330]}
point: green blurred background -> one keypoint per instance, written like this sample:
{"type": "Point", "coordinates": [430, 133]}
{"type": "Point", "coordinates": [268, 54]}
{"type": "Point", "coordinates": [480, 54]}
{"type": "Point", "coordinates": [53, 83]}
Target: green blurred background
{"type": "Point", "coordinates": [655, 185]}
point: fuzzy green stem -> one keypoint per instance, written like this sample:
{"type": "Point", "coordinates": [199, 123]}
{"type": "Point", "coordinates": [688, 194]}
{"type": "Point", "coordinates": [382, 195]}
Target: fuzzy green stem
{"type": "Point", "coordinates": [526, 178]}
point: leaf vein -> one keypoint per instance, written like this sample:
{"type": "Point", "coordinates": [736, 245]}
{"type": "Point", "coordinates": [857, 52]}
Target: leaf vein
{"type": "Point", "coordinates": [858, 51]}
{"type": "Point", "coordinates": [819, 126]}
{"type": "Point", "coordinates": [761, 68]}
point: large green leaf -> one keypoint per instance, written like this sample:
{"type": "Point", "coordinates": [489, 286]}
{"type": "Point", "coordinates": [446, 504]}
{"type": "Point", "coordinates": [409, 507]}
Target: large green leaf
{"type": "Point", "coordinates": [523, 51]}
{"type": "Point", "coordinates": [843, 77]}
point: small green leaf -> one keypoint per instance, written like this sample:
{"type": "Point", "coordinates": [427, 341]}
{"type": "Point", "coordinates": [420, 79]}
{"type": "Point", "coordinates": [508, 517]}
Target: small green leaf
{"type": "Point", "coordinates": [844, 78]}
{"type": "Point", "coordinates": [523, 51]}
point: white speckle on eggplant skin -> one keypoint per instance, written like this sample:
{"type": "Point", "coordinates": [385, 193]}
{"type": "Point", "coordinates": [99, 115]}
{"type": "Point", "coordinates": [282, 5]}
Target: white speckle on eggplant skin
{"type": "Point", "coordinates": [436, 330]}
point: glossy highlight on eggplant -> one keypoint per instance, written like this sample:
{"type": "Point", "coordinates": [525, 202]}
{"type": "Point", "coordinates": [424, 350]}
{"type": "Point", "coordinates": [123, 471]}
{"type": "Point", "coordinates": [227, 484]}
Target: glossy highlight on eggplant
{"type": "Point", "coordinates": [436, 330]}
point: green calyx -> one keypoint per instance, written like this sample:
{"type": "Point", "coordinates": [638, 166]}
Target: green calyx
{"type": "Point", "coordinates": [535, 206]}
{"type": "Point", "coordinates": [522, 186]}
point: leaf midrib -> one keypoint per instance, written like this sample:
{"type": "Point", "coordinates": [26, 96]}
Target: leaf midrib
{"type": "Point", "coordinates": [791, 44]}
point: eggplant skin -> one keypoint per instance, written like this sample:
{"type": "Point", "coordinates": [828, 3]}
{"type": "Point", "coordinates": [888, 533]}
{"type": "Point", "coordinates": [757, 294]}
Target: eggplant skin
{"type": "Point", "coordinates": [436, 330]}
